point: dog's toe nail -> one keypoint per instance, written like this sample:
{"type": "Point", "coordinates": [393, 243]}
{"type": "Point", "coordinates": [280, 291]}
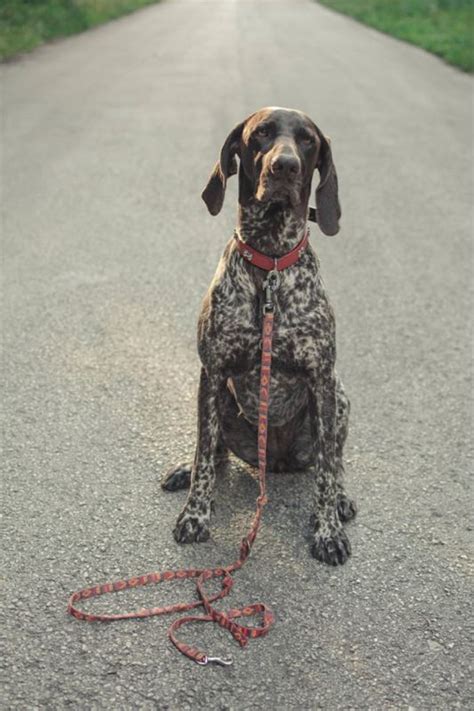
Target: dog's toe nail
{"type": "Point", "coordinates": [334, 550]}
{"type": "Point", "coordinates": [343, 548]}
{"type": "Point", "coordinates": [203, 535]}
{"type": "Point", "coordinates": [346, 508]}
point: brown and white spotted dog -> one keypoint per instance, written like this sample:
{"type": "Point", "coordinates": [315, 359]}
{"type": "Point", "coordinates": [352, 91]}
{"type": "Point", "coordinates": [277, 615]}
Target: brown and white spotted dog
{"type": "Point", "coordinates": [279, 150]}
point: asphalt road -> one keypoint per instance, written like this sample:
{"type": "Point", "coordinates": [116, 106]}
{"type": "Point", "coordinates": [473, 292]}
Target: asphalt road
{"type": "Point", "coordinates": [108, 139]}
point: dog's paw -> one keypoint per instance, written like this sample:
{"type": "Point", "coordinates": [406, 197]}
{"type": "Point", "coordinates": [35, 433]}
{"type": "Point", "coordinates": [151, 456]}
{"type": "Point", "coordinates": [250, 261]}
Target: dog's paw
{"type": "Point", "coordinates": [332, 549]}
{"type": "Point", "coordinates": [191, 528]}
{"type": "Point", "coordinates": [346, 507]}
{"type": "Point", "coordinates": [177, 478]}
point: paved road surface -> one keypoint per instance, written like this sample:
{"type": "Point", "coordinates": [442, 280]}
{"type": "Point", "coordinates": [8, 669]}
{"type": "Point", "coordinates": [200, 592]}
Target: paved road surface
{"type": "Point", "coordinates": [108, 140]}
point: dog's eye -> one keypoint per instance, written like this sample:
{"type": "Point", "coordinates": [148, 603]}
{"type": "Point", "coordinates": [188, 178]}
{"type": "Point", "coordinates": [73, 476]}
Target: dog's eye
{"type": "Point", "coordinates": [307, 139]}
{"type": "Point", "coordinates": [262, 131]}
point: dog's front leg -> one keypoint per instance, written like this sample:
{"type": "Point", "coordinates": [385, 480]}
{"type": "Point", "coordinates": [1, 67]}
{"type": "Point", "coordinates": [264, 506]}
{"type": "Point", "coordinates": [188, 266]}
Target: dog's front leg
{"type": "Point", "coordinates": [193, 521]}
{"type": "Point", "coordinates": [330, 543]}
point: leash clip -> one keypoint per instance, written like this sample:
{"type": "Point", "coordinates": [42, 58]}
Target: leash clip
{"type": "Point", "coordinates": [215, 660]}
{"type": "Point", "coordinates": [271, 284]}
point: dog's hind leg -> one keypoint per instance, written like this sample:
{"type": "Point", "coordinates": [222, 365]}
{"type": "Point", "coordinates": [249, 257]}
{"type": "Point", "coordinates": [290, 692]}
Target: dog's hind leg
{"type": "Point", "coordinates": [346, 507]}
{"type": "Point", "coordinates": [179, 477]}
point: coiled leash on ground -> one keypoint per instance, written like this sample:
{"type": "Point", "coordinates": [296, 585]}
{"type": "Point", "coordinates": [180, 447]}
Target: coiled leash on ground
{"type": "Point", "coordinates": [241, 633]}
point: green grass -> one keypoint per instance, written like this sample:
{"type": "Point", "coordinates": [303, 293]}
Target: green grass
{"type": "Point", "coordinates": [24, 24]}
{"type": "Point", "coordinates": [444, 27]}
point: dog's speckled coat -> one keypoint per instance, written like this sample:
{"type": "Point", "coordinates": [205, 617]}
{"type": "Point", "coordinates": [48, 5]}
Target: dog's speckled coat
{"type": "Point", "coordinates": [279, 149]}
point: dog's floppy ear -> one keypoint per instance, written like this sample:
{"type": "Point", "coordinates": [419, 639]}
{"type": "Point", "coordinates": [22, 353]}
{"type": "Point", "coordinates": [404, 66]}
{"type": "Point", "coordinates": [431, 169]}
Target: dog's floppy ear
{"type": "Point", "coordinates": [327, 200]}
{"type": "Point", "coordinates": [213, 193]}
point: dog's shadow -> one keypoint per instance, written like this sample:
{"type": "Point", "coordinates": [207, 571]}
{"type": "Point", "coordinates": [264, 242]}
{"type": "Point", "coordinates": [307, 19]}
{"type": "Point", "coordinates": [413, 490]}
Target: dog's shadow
{"type": "Point", "coordinates": [286, 515]}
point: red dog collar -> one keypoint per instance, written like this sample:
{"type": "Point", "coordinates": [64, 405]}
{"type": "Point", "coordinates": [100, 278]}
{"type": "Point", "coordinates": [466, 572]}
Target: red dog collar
{"type": "Point", "coordinates": [263, 261]}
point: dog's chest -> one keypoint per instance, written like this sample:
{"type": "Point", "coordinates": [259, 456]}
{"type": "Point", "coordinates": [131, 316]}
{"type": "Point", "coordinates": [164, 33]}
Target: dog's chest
{"type": "Point", "coordinates": [300, 320]}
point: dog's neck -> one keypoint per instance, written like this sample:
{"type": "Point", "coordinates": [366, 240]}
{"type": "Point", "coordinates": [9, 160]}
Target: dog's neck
{"type": "Point", "coordinates": [272, 228]}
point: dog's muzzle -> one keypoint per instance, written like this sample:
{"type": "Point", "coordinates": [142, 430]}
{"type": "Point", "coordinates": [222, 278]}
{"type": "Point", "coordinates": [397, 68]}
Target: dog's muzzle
{"type": "Point", "coordinates": [280, 178]}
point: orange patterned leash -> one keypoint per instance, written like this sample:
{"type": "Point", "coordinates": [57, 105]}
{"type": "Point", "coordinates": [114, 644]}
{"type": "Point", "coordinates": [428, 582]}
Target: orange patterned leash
{"type": "Point", "coordinates": [241, 633]}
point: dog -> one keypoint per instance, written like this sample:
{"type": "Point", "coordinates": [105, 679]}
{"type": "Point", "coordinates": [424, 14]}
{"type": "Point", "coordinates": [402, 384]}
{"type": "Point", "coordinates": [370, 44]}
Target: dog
{"type": "Point", "coordinates": [279, 150]}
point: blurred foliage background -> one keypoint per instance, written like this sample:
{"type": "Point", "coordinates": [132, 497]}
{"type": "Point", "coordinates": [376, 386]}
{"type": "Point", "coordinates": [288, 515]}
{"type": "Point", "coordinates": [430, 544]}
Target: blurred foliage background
{"type": "Point", "coordinates": [24, 24]}
{"type": "Point", "coordinates": [444, 27]}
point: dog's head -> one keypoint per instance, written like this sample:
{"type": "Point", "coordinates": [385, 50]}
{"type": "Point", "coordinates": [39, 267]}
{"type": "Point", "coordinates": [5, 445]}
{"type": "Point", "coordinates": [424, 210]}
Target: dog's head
{"type": "Point", "coordinates": [279, 149]}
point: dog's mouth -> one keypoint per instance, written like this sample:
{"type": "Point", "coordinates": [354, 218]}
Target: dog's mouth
{"type": "Point", "coordinates": [271, 190]}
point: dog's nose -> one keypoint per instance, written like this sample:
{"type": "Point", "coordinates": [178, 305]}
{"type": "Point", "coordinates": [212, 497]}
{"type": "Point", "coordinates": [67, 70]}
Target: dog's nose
{"type": "Point", "coordinates": [285, 165]}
